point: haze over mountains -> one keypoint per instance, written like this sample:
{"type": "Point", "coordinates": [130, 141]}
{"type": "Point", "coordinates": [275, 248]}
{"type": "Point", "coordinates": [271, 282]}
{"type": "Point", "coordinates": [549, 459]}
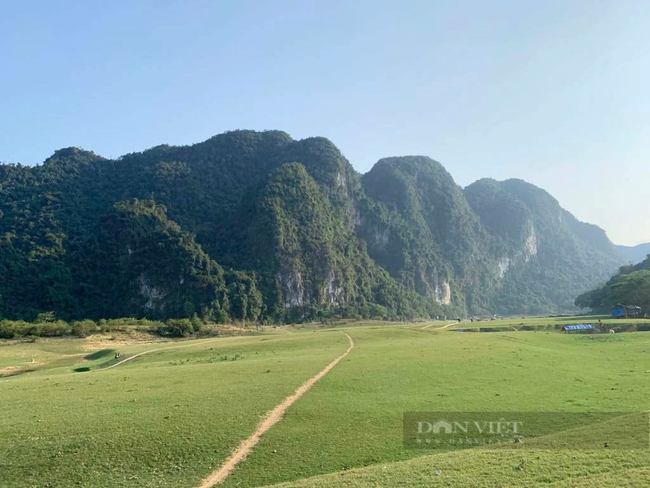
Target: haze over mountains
{"type": "Point", "coordinates": [635, 254]}
{"type": "Point", "coordinates": [257, 226]}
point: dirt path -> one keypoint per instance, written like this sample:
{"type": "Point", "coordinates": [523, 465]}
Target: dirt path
{"type": "Point", "coordinates": [443, 327]}
{"type": "Point", "coordinates": [271, 418]}
{"type": "Point", "coordinates": [130, 358]}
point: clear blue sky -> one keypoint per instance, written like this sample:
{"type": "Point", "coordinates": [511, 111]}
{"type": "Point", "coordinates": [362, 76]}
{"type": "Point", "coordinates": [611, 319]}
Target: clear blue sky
{"type": "Point", "coordinates": [554, 92]}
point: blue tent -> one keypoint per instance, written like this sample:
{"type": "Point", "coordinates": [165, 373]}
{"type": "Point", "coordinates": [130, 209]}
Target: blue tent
{"type": "Point", "coordinates": [618, 311]}
{"type": "Point", "coordinates": [579, 327]}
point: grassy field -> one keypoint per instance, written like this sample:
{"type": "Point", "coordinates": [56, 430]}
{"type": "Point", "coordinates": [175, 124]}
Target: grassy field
{"type": "Point", "coordinates": [485, 468]}
{"type": "Point", "coordinates": [354, 417]}
{"type": "Point", "coordinates": [170, 417]}
{"type": "Point", "coordinates": [166, 419]}
{"type": "Point", "coordinates": [549, 322]}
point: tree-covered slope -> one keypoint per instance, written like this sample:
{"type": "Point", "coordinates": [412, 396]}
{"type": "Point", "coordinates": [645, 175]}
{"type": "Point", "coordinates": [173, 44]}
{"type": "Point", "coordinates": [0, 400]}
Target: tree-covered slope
{"type": "Point", "coordinates": [307, 258]}
{"type": "Point", "coordinates": [424, 232]}
{"type": "Point", "coordinates": [256, 226]}
{"type": "Point", "coordinates": [630, 286]}
{"type": "Point", "coordinates": [546, 256]}
{"type": "Point", "coordinates": [145, 264]}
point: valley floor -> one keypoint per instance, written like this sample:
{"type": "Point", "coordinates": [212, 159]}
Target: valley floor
{"type": "Point", "coordinates": [174, 413]}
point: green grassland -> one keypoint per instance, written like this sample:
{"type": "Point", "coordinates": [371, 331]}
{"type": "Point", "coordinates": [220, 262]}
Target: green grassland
{"type": "Point", "coordinates": [549, 322]}
{"type": "Point", "coordinates": [353, 418]}
{"type": "Point", "coordinates": [27, 353]}
{"type": "Point", "coordinates": [171, 416]}
{"type": "Point", "coordinates": [166, 419]}
{"type": "Point", "coordinates": [489, 468]}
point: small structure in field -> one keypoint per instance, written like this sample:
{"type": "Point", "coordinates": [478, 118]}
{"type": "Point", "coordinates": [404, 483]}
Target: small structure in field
{"type": "Point", "coordinates": [633, 311]}
{"type": "Point", "coordinates": [618, 312]}
{"type": "Point", "coordinates": [573, 328]}
{"type": "Point", "coordinates": [623, 312]}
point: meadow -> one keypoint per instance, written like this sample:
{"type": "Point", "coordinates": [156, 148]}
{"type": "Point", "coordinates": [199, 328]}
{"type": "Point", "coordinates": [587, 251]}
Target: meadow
{"type": "Point", "coordinates": [170, 417]}
{"type": "Point", "coordinates": [166, 419]}
{"type": "Point", "coordinates": [552, 323]}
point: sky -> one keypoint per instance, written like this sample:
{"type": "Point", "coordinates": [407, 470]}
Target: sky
{"type": "Point", "coordinates": [555, 92]}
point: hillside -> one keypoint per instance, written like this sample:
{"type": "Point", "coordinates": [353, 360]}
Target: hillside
{"type": "Point", "coordinates": [630, 286]}
{"type": "Point", "coordinates": [544, 253]}
{"type": "Point", "coordinates": [426, 234]}
{"type": "Point", "coordinates": [635, 254]}
{"type": "Point", "coordinates": [257, 226]}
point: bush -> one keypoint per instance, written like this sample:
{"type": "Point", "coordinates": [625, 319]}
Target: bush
{"type": "Point", "coordinates": [11, 329]}
{"type": "Point", "coordinates": [8, 329]}
{"type": "Point", "coordinates": [175, 328]}
{"type": "Point", "coordinates": [197, 324]}
{"type": "Point", "coordinates": [126, 324]}
{"type": "Point", "coordinates": [83, 328]}
{"type": "Point", "coordinates": [53, 329]}
{"type": "Point", "coordinates": [45, 317]}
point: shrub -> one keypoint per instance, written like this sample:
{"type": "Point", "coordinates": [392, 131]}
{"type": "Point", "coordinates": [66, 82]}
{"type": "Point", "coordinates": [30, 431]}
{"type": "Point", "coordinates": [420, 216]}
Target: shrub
{"type": "Point", "coordinates": [175, 328]}
{"type": "Point", "coordinates": [45, 317]}
{"type": "Point", "coordinates": [197, 324]}
{"type": "Point", "coordinates": [8, 329]}
{"type": "Point", "coordinates": [83, 328]}
{"type": "Point", "coordinates": [53, 329]}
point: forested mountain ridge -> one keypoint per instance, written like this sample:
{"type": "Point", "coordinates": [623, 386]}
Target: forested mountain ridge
{"type": "Point", "coordinates": [256, 226]}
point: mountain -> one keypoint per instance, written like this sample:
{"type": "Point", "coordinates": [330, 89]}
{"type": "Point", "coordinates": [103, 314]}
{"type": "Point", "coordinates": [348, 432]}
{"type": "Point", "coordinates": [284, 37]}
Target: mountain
{"type": "Point", "coordinates": [257, 226]}
{"type": "Point", "coordinates": [424, 232]}
{"type": "Point", "coordinates": [635, 254]}
{"type": "Point", "coordinates": [545, 255]}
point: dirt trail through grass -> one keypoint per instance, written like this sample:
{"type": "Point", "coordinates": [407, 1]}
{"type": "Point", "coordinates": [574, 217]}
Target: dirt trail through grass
{"type": "Point", "coordinates": [271, 418]}
{"type": "Point", "coordinates": [130, 358]}
{"type": "Point", "coordinates": [443, 327]}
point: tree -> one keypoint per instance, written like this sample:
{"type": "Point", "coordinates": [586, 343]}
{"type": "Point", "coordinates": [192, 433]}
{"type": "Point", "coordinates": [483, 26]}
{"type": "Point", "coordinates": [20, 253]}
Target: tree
{"type": "Point", "coordinates": [632, 289]}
